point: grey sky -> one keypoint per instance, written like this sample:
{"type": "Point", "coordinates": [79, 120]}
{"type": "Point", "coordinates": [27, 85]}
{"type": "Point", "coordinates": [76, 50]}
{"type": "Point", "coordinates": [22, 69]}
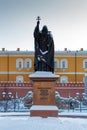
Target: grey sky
{"type": "Point", "coordinates": [67, 19]}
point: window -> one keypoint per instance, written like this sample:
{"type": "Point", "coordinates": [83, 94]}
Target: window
{"type": "Point", "coordinates": [85, 64]}
{"type": "Point", "coordinates": [19, 63]}
{"type": "Point", "coordinates": [64, 64]}
{"type": "Point", "coordinates": [56, 64]}
{"type": "Point", "coordinates": [28, 63]}
{"type": "Point", "coordinates": [64, 79]}
{"type": "Point", "coordinates": [19, 79]}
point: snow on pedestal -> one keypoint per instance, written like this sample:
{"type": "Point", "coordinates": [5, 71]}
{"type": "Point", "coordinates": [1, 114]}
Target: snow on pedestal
{"type": "Point", "coordinates": [44, 111]}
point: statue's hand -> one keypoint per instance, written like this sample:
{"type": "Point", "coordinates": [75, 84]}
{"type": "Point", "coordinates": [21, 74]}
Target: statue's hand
{"type": "Point", "coordinates": [38, 22]}
{"type": "Point", "coordinates": [39, 58]}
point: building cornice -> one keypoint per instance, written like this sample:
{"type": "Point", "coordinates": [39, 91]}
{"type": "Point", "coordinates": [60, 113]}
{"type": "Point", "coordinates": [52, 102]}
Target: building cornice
{"type": "Point", "coordinates": [67, 53]}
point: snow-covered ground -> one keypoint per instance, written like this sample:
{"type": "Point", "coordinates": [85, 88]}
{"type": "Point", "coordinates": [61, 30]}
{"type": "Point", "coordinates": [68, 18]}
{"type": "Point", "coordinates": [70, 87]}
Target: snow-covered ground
{"type": "Point", "coordinates": [22, 121]}
{"type": "Point", "coordinates": [25, 122]}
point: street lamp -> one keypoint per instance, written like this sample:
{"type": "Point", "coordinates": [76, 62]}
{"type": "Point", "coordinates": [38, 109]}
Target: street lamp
{"type": "Point", "coordinates": [6, 97]}
{"type": "Point", "coordinates": [3, 95]}
{"type": "Point", "coordinates": [77, 96]}
{"type": "Point", "coordinates": [9, 95]}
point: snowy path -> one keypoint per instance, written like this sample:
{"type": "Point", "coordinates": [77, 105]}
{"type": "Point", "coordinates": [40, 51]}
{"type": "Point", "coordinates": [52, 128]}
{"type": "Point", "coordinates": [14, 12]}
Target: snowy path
{"type": "Point", "coordinates": [38, 123]}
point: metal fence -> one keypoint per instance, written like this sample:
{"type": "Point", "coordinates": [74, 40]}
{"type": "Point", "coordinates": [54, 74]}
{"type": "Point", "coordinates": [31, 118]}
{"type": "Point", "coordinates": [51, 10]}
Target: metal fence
{"type": "Point", "coordinates": [16, 105]}
{"type": "Point", "coordinates": [13, 105]}
{"type": "Point", "coordinates": [71, 107]}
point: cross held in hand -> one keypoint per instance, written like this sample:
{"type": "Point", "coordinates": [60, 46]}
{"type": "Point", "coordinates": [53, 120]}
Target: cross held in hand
{"type": "Point", "coordinates": [38, 18]}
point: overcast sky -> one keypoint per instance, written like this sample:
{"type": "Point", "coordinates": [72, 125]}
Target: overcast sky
{"type": "Point", "coordinates": [67, 19]}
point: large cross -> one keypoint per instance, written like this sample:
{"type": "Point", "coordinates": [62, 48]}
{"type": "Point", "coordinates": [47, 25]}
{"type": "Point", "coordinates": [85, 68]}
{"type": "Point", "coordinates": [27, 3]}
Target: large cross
{"type": "Point", "coordinates": [38, 18]}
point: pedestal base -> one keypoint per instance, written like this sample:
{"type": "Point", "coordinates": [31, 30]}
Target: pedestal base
{"type": "Point", "coordinates": [44, 111]}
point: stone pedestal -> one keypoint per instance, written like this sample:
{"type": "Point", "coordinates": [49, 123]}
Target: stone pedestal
{"type": "Point", "coordinates": [44, 94]}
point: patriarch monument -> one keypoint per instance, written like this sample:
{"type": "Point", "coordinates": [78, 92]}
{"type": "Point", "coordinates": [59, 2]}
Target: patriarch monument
{"type": "Point", "coordinates": [43, 79]}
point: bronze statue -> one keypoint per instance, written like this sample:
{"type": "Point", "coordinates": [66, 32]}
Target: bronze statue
{"type": "Point", "coordinates": [44, 49]}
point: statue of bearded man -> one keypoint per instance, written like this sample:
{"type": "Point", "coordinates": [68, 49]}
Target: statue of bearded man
{"type": "Point", "coordinates": [44, 49]}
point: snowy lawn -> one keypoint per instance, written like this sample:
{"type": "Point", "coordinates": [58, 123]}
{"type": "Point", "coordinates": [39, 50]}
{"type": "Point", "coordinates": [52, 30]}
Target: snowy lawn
{"type": "Point", "coordinates": [38, 123]}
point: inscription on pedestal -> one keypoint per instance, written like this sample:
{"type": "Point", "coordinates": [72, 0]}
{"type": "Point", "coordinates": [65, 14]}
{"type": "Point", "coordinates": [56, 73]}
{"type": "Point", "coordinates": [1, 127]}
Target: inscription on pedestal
{"type": "Point", "coordinates": [44, 93]}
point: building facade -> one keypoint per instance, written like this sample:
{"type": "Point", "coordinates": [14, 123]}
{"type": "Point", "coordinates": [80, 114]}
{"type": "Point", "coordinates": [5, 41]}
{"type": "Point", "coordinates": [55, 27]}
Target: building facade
{"type": "Point", "coordinates": [16, 66]}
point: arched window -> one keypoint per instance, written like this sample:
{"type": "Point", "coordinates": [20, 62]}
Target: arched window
{"type": "Point", "coordinates": [28, 63]}
{"type": "Point", "coordinates": [64, 64]}
{"type": "Point", "coordinates": [19, 79]}
{"type": "Point", "coordinates": [19, 63]}
{"type": "Point", "coordinates": [56, 64]}
{"type": "Point", "coordinates": [64, 79]}
{"type": "Point", "coordinates": [85, 64]}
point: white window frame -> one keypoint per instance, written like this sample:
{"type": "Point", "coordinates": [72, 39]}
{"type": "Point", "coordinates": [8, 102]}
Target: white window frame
{"type": "Point", "coordinates": [28, 61]}
{"type": "Point", "coordinates": [19, 79]}
{"type": "Point", "coordinates": [64, 79]}
{"type": "Point", "coordinates": [19, 63]}
{"type": "Point", "coordinates": [64, 61]}
{"type": "Point", "coordinates": [56, 63]}
{"type": "Point", "coordinates": [85, 63]}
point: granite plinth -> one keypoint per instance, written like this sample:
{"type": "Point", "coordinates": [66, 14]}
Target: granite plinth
{"type": "Point", "coordinates": [44, 111]}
